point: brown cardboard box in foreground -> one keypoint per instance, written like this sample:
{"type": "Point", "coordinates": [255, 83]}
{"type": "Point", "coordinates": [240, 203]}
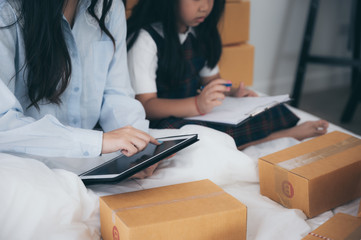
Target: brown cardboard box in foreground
{"type": "Point", "coordinates": [314, 176]}
{"type": "Point", "coordinates": [236, 64]}
{"type": "Point", "coordinates": [235, 23]}
{"type": "Point", "coordinates": [339, 227]}
{"type": "Point", "coordinates": [198, 210]}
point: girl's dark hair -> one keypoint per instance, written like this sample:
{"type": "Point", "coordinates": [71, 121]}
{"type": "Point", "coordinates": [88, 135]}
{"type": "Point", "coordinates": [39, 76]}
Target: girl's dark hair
{"type": "Point", "coordinates": [48, 61]}
{"type": "Point", "coordinates": [166, 12]}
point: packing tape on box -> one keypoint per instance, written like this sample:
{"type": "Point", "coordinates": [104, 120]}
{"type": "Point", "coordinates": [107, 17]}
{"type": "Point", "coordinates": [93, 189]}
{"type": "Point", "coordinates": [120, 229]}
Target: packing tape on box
{"type": "Point", "coordinates": [354, 235]}
{"type": "Point", "coordinates": [213, 194]}
{"type": "Point", "coordinates": [320, 236]}
{"type": "Point", "coordinates": [320, 154]}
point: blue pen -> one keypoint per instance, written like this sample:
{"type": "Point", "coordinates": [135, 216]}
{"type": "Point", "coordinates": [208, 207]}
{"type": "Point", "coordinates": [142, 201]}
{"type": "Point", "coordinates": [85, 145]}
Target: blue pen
{"type": "Point", "coordinates": [225, 84]}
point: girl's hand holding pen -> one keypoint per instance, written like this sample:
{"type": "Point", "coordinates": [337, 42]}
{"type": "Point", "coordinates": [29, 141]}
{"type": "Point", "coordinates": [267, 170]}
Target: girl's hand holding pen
{"type": "Point", "coordinates": [242, 91]}
{"type": "Point", "coordinates": [212, 95]}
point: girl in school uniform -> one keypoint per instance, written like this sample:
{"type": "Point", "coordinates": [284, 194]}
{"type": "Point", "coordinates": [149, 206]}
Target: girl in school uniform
{"type": "Point", "coordinates": [63, 69]}
{"type": "Point", "coordinates": [173, 50]}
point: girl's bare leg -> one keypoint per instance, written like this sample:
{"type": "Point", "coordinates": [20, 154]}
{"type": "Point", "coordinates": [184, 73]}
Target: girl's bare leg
{"type": "Point", "coordinates": [300, 132]}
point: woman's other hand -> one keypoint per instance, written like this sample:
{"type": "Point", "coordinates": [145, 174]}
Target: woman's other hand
{"type": "Point", "coordinates": [149, 170]}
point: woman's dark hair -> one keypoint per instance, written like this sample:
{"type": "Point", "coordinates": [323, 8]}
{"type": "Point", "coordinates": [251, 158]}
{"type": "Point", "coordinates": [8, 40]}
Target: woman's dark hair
{"type": "Point", "coordinates": [48, 61]}
{"type": "Point", "coordinates": [166, 12]}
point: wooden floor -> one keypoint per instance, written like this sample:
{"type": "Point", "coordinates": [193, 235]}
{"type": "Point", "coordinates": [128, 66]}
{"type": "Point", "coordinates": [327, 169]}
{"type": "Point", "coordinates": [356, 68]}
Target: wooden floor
{"type": "Point", "coordinates": [329, 105]}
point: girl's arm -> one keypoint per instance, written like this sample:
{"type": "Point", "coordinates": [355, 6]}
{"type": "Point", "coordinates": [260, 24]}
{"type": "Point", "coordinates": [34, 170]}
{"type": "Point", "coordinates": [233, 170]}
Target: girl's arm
{"type": "Point", "coordinates": [157, 108]}
{"type": "Point", "coordinates": [209, 97]}
{"type": "Point", "coordinates": [241, 91]}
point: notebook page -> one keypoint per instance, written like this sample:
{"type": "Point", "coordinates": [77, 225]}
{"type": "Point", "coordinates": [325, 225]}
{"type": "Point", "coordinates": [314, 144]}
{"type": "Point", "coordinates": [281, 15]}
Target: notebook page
{"type": "Point", "coordinates": [235, 110]}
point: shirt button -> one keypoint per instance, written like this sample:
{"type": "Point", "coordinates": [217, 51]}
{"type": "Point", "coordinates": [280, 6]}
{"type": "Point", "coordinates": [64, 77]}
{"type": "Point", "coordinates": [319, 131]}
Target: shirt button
{"type": "Point", "coordinates": [75, 121]}
{"type": "Point", "coordinates": [76, 89]}
{"type": "Point", "coordinates": [86, 153]}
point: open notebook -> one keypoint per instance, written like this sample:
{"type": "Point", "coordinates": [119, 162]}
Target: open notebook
{"type": "Point", "coordinates": [235, 111]}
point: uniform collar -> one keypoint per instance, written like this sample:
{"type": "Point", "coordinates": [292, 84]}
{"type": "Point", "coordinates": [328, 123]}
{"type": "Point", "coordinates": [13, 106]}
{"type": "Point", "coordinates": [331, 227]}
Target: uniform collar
{"type": "Point", "coordinates": [183, 36]}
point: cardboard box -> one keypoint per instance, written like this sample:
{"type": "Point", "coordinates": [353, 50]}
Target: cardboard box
{"type": "Point", "coordinates": [339, 227]}
{"type": "Point", "coordinates": [235, 23]}
{"type": "Point", "coordinates": [197, 210]}
{"type": "Point", "coordinates": [130, 4]}
{"type": "Point", "coordinates": [314, 176]}
{"type": "Point", "coordinates": [236, 64]}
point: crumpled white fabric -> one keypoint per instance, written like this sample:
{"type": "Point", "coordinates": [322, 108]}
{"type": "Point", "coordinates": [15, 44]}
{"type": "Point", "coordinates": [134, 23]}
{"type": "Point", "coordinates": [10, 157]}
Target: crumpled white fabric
{"type": "Point", "coordinates": [39, 203]}
{"type": "Point", "coordinates": [215, 157]}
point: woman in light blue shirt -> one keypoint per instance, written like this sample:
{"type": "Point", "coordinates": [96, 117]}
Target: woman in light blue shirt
{"type": "Point", "coordinates": [63, 69]}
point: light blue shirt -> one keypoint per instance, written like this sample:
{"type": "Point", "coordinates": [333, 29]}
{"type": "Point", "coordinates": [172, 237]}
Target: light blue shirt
{"type": "Point", "coordinates": [99, 89]}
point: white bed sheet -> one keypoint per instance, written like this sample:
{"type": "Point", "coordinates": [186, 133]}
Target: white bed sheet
{"type": "Point", "coordinates": [40, 203]}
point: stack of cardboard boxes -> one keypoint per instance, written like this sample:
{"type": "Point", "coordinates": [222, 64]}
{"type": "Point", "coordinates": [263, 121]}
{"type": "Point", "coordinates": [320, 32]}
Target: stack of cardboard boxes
{"type": "Point", "coordinates": [237, 59]}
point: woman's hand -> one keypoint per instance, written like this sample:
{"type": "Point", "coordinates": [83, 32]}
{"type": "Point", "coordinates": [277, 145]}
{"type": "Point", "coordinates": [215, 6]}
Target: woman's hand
{"type": "Point", "coordinates": [127, 139]}
{"type": "Point", "coordinates": [149, 170]}
{"type": "Point", "coordinates": [212, 95]}
{"type": "Point", "coordinates": [242, 91]}
{"type": "Point", "coordinates": [146, 172]}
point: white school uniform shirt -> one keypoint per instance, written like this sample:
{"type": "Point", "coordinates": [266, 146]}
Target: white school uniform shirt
{"type": "Point", "coordinates": [143, 61]}
{"type": "Point", "coordinates": [99, 88]}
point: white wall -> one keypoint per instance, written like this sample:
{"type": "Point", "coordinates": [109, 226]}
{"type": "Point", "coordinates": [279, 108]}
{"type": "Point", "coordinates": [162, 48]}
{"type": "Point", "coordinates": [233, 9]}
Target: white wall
{"type": "Point", "coordinates": [277, 28]}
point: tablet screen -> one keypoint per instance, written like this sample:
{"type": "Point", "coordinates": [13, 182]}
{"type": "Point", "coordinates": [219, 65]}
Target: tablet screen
{"type": "Point", "coordinates": [123, 165]}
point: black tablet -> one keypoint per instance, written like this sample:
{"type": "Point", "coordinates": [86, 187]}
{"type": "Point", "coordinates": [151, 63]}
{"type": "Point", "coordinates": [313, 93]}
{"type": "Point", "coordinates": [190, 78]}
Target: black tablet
{"type": "Point", "coordinates": [123, 167]}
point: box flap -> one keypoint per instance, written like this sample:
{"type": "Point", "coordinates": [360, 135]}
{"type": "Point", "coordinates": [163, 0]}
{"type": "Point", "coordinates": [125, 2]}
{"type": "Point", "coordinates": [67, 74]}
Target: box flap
{"type": "Point", "coordinates": [340, 226]}
{"type": "Point", "coordinates": [319, 156]}
{"type": "Point", "coordinates": [161, 194]}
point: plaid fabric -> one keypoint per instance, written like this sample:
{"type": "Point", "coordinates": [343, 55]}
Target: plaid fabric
{"type": "Point", "coordinates": [258, 127]}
